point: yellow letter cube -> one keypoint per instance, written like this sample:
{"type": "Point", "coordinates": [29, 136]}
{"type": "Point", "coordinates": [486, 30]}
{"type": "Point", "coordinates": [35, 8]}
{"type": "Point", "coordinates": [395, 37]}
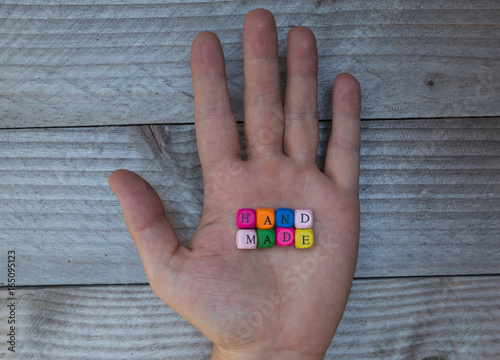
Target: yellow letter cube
{"type": "Point", "coordinates": [304, 238]}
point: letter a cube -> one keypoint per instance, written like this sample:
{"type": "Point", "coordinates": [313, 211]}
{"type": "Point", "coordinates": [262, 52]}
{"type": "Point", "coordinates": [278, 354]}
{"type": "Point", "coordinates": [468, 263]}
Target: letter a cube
{"type": "Point", "coordinates": [265, 218]}
{"type": "Point", "coordinates": [266, 238]}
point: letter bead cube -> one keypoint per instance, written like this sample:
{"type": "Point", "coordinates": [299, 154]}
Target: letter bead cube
{"type": "Point", "coordinates": [246, 239]}
{"type": "Point", "coordinates": [265, 218]}
{"type": "Point", "coordinates": [266, 238]}
{"type": "Point", "coordinates": [284, 218]}
{"type": "Point", "coordinates": [285, 236]}
{"type": "Point", "coordinates": [246, 218]}
{"type": "Point", "coordinates": [304, 238]}
{"type": "Point", "coordinates": [303, 219]}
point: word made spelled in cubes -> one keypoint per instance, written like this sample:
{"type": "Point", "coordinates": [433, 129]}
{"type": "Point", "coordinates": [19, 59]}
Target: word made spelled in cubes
{"type": "Point", "coordinates": [265, 228]}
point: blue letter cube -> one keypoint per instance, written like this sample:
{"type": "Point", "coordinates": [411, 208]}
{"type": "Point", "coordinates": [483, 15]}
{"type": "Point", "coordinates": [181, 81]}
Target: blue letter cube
{"type": "Point", "coordinates": [284, 218]}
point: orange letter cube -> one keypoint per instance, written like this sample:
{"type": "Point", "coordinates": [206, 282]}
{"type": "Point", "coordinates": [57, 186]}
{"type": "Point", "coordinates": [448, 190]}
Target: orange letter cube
{"type": "Point", "coordinates": [265, 218]}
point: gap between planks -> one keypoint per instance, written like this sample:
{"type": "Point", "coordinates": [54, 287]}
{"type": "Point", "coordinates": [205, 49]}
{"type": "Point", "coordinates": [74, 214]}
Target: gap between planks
{"type": "Point", "coordinates": [241, 122]}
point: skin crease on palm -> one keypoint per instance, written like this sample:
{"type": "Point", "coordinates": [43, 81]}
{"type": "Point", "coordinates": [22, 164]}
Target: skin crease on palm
{"type": "Point", "coordinates": [278, 303]}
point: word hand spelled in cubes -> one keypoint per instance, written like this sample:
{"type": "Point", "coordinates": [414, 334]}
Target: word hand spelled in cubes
{"type": "Point", "coordinates": [265, 228]}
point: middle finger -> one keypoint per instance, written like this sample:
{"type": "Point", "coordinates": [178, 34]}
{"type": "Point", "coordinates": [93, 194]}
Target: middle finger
{"type": "Point", "coordinates": [262, 100]}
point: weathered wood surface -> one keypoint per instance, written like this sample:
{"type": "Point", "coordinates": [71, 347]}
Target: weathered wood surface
{"type": "Point", "coordinates": [73, 63]}
{"type": "Point", "coordinates": [434, 318]}
{"type": "Point", "coordinates": [429, 194]}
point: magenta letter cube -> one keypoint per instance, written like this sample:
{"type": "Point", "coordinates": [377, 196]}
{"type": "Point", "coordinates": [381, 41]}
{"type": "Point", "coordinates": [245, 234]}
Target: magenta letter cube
{"type": "Point", "coordinates": [246, 239]}
{"type": "Point", "coordinates": [285, 236]}
{"type": "Point", "coordinates": [246, 219]}
{"type": "Point", "coordinates": [303, 219]}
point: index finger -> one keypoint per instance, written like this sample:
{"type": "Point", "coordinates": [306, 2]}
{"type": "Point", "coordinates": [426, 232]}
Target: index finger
{"type": "Point", "coordinates": [216, 130]}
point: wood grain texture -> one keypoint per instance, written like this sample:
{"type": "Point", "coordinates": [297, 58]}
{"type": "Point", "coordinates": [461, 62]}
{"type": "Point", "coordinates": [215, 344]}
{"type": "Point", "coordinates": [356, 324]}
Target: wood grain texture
{"type": "Point", "coordinates": [429, 193]}
{"type": "Point", "coordinates": [73, 63]}
{"type": "Point", "coordinates": [434, 318]}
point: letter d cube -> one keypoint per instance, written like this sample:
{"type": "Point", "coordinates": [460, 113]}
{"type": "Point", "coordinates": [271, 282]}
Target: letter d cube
{"type": "Point", "coordinates": [285, 236]}
{"type": "Point", "coordinates": [303, 218]}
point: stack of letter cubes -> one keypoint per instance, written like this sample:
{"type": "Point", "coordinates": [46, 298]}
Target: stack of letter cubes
{"type": "Point", "coordinates": [285, 227]}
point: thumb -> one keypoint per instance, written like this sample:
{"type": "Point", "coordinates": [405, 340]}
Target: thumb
{"type": "Point", "coordinates": [152, 233]}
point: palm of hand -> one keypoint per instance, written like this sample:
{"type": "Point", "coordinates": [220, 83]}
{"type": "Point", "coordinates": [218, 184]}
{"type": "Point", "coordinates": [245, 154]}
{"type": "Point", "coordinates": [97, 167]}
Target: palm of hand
{"type": "Point", "coordinates": [275, 293]}
{"type": "Point", "coordinates": [264, 301]}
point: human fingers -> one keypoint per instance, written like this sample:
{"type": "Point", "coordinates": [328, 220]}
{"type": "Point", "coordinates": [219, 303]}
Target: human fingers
{"type": "Point", "coordinates": [262, 100]}
{"type": "Point", "coordinates": [343, 154]}
{"type": "Point", "coordinates": [301, 99]}
{"type": "Point", "coordinates": [152, 233]}
{"type": "Point", "coordinates": [216, 130]}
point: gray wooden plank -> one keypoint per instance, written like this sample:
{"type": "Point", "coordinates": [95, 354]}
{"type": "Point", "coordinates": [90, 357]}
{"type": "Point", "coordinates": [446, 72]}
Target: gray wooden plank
{"type": "Point", "coordinates": [429, 197]}
{"type": "Point", "coordinates": [108, 62]}
{"type": "Point", "coordinates": [450, 318]}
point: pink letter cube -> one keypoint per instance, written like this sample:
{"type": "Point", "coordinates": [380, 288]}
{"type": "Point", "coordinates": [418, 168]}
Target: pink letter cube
{"type": "Point", "coordinates": [246, 239]}
{"type": "Point", "coordinates": [285, 236]}
{"type": "Point", "coordinates": [303, 218]}
{"type": "Point", "coordinates": [246, 219]}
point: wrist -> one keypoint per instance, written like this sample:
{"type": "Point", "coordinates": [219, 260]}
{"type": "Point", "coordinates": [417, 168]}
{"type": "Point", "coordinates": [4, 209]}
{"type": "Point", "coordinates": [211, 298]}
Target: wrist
{"type": "Point", "coordinates": [223, 354]}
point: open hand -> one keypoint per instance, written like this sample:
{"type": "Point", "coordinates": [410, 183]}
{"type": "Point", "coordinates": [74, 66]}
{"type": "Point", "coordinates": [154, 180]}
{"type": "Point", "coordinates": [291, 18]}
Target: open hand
{"type": "Point", "coordinates": [278, 303]}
